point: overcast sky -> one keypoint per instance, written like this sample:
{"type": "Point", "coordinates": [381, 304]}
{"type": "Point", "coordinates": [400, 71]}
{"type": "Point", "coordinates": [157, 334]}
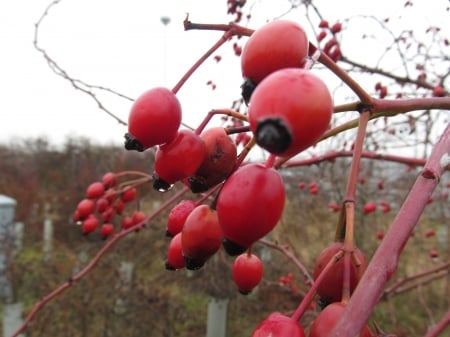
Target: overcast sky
{"type": "Point", "coordinates": [124, 46]}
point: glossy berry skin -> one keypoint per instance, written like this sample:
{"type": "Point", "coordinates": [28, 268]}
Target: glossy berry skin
{"type": "Point", "coordinates": [330, 288]}
{"type": "Point", "coordinates": [128, 194]}
{"type": "Point", "coordinates": [327, 319]}
{"type": "Point", "coordinates": [175, 258]}
{"type": "Point", "coordinates": [289, 111]}
{"type": "Point", "coordinates": [276, 45]}
{"type": "Point", "coordinates": [200, 237]}
{"type": "Point", "coordinates": [249, 206]}
{"type": "Point", "coordinates": [178, 215]}
{"type": "Point", "coordinates": [85, 208]}
{"type": "Point", "coordinates": [219, 162]}
{"type": "Point", "coordinates": [278, 325]}
{"type": "Point", "coordinates": [89, 224]}
{"type": "Point", "coordinates": [247, 272]}
{"type": "Point", "coordinates": [178, 159]}
{"type": "Point", "coordinates": [154, 119]}
{"type": "Point", "coordinates": [95, 190]}
{"type": "Point", "coordinates": [106, 230]}
{"type": "Point", "coordinates": [109, 179]}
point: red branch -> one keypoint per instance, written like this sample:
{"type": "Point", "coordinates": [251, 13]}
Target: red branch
{"type": "Point", "coordinates": [385, 260]}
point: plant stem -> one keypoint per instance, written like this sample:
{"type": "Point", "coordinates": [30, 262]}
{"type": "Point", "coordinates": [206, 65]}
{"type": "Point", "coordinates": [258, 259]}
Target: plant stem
{"type": "Point", "coordinates": [384, 262]}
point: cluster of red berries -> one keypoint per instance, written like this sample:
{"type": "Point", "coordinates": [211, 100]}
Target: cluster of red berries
{"type": "Point", "coordinates": [103, 204]}
{"type": "Point", "coordinates": [289, 109]}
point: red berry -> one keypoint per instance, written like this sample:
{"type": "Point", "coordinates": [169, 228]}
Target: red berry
{"type": "Point", "coordinates": [249, 206]}
{"type": "Point", "coordinates": [323, 24]}
{"type": "Point", "coordinates": [119, 206]}
{"type": "Point", "coordinates": [334, 207]}
{"type": "Point", "coordinates": [369, 207]}
{"type": "Point", "coordinates": [101, 205]}
{"type": "Point", "coordinates": [175, 258]}
{"type": "Point", "coordinates": [430, 232]}
{"type": "Point", "coordinates": [138, 217]}
{"type": "Point", "coordinates": [154, 119]}
{"type": "Point", "coordinates": [178, 159]}
{"type": "Point", "coordinates": [200, 237]}
{"type": "Point", "coordinates": [289, 111]}
{"type": "Point", "coordinates": [106, 230]}
{"type": "Point", "coordinates": [327, 319]}
{"type": "Point", "coordinates": [108, 214]}
{"type": "Point", "coordinates": [128, 194]}
{"type": "Point", "coordinates": [109, 179]}
{"type": "Point", "coordinates": [89, 224]}
{"type": "Point", "coordinates": [278, 44]}
{"type": "Point", "coordinates": [330, 288]}
{"type": "Point", "coordinates": [385, 207]}
{"type": "Point", "coordinates": [380, 235]}
{"type": "Point", "coordinates": [336, 28]}
{"type": "Point", "coordinates": [85, 207]}
{"type": "Point", "coordinates": [95, 190]}
{"type": "Point", "coordinates": [278, 325]}
{"type": "Point", "coordinates": [178, 216]}
{"type": "Point", "coordinates": [438, 91]}
{"type": "Point", "coordinates": [247, 272]}
{"type": "Point", "coordinates": [126, 222]}
{"type": "Point", "coordinates": [433, 253]}
{"type": "Point", "coordinates": [219, 162]}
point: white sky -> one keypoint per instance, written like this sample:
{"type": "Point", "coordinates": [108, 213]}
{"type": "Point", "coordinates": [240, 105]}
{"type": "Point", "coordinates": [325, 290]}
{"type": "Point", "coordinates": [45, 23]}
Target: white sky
{"type": "Point", "coordinates": [120, 44]}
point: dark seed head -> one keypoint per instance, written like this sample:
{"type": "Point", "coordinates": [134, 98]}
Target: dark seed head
{"type": "Point", "coordinates": [169, 266]}
{"type": "Point", "coordinates": [232, 248]}
{"type": "Point", "coordinates": [159, 184]}
{"type": "Point", "coordinates": [247, 89]}
{"type": "Point", "coordinates": [193, 264]}
{"type": "Point", "coordinates": [244, 292]}
{"type": "Point", "coordinates": [197, 185]}
{"type": "Point", "coordinates": [131, 143]}
{"type": "Point", "coordinates": [273, 135]}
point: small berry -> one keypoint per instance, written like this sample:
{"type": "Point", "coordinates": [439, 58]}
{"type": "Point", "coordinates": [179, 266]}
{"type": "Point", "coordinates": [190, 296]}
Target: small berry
{"type": "Point", "coordinates": [95, 190]}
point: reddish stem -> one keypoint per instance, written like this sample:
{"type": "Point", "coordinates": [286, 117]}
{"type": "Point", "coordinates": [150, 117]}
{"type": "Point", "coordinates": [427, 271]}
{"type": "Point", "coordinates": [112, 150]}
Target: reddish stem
{"type": "Point", "coordinates": [439, 327]}
{"type": "Point", "coordinates": [312, 291]}
{"type": "Point", "coordinates": [384, 262]}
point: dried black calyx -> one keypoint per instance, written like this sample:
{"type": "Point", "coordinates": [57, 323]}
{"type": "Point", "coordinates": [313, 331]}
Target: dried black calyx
{"type": "Point", "coordinates": [197, 185]}
{"type": "Point", "coordinates": [169, 266]}
{"type": "Point", "coordinates": [159, 184]}
{"type": "Point", "coordinates": [232, 248]}
{"type": "Point", "coordinates": [131, 143]}
{"type": "Point", "coordinates": [247, 89]}
{"type": "Point", "coordinates": [193, 264]}
{"type": "Point", "coordinates": [273, 135]}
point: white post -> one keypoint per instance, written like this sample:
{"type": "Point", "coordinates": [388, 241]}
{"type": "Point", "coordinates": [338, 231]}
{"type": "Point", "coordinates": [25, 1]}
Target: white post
{"type": "Point", "coordinates": [217, 317]}
{"type": "Point", "coordinates": [48, 232]}
{"type": "Point", "coordinates": [12, 318]}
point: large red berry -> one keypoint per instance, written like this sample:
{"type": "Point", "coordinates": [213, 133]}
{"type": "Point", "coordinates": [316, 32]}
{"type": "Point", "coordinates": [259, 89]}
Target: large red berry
{"type": "Point", "coordinates": [249, 206]}
{"type": "Point", "coordinates": [178, 159]}
{"type": "Point", "coordinates": [327, 319]}
{"type": "Point", "coordinates": [247, 272]}
{"type": "Point", "coordinates": [330, 288]}
{"type": "Point", "coordinates": [200, 237]}
{"type": "Point", "coordinates": [178, 216]}
{"type": "Point", "coordinates": [289, 111]}
{"type": "Point", "coordinates": [175, 259]}
{"type": "Point", "coordinates": [278, 325]}
{"type": "Point", "coordinates": [219, 162]}
{"type": "Point", "coordinates": [154, 119]}
{"type": "Point", "coordinates": [276, 45]}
